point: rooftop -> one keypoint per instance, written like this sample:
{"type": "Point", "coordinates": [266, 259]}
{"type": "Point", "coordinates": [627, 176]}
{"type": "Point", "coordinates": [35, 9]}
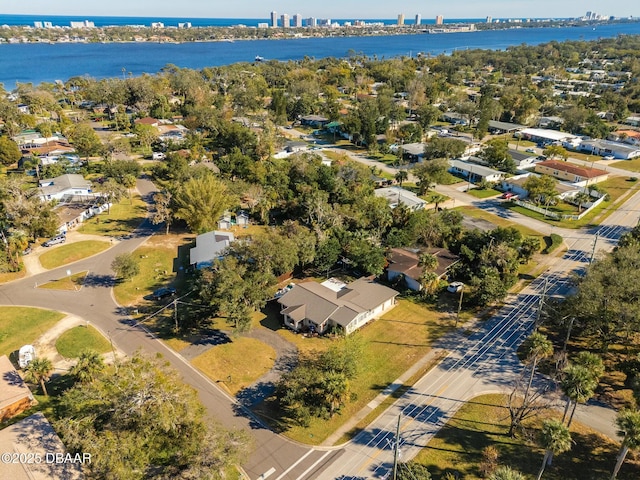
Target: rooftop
{"type": "Point", "coordinates": [209, 246]}
{"type": "Point", "coordinates": [573, 169]}
{"type": "Point", "coordinates": [554, 135]}
{"type": "Point", "coordinates": [51, 186]}
{"type": "Point", "coordinates": [12, 388]}
{"type": "Point", "coordinates": [474, 168]}
{"type": "Point", "coordinates": [398, 195]}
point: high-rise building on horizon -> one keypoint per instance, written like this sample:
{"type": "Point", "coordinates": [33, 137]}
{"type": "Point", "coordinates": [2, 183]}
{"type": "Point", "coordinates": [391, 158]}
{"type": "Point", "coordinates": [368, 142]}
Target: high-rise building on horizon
{"type": "Point", "coordinates": [439, 20]}
{"type": "Point", "coordinates": [297, 20]}
{"type": "Point", "coordinates": [312, 22]}
{"type": "Point", "coordinates": [418, 19]}
{"type": "Point", "coordinates": [274, 19]}
{"type": "Point", "coordinates": [284, 19]}
{"type": "Point", "coordinates": [401, 19]}
{"type": "Point", "coordinates": [489, 19]}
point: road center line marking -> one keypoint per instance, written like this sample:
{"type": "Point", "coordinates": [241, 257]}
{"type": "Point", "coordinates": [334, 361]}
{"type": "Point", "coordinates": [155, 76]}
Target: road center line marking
{"type": "Point", "coordinates": [295, 464]}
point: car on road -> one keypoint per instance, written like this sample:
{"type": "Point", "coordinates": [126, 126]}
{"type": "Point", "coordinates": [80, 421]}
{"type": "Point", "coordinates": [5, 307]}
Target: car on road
{"type": "Point", "coordinates": [608, 157]}
{"type": "Point", "coordinates": [455, 287]}
{"type": "Point", "coordinates": [55, 240]}
{"type": "Point", "coordinates": [530, 150]}
{"type": "Point", "coordinates": [164, 292]}
{"type": "Point", "coordinates": [509, 196]}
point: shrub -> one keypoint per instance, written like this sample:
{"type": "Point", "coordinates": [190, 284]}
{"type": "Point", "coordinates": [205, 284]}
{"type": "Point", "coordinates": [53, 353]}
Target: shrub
{"type": "Point", "coordinates": [552, 242]}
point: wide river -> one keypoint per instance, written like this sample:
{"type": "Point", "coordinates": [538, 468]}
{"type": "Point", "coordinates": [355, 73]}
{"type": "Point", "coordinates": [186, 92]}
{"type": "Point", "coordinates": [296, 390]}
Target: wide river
{"type": "Point", "coordinates": [38, 62]}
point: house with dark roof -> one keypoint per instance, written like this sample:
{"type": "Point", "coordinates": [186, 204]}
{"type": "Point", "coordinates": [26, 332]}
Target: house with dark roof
{"type": "Point", "coordinates": [322, 307]}
{"type": "Point", "coordinates": [406, 263]}
{"type": "Point", "coordinates": [152, 122]}
{"type": "Point", "coordinates": [570, 172]}
{"type": "Point", "coordinates": [15, 396]}
{"type": "Point", "coordinates": [209, 247]}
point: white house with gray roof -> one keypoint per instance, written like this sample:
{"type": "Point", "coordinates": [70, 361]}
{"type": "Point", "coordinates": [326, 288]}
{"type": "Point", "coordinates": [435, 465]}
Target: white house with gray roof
{"type": "Point", "coordinates": [69, 185]}
{"type": "Point", "coordinates": [209, 247]}
{"type": "Point", "coordinates": [321, 307]}
{"type": "Point", "coordinates": [475, 173]}
{"type": "Point", "coordinates": [397, 195]}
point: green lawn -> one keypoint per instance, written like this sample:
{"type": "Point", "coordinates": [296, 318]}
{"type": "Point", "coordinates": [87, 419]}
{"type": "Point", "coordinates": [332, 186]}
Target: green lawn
{"type": "Point", "coordinates": [71, 252]}
{"type": "Point", "coordinates": [23, 325]}
{"type": "Point", "coordinates": [484, 421]}
{"type": "Point", "coordinates": [157, 268]}
{"type": "Point", "coordinates": [616, 187]}
{"type": "Point", "coordinates": [71, 282]}
{"type": "Point", "coordinates": [483, 192]}
{"type": "Point", "coordinates": [72, 342]}
{"type": "Point", "coordinates": [122, 220]}
{"type": "Point", "coordinates": [238, 364]}
{"type": "Point", "coordinates": [393, 344]}
{"type": "Point", "coordinates": [631, 165]}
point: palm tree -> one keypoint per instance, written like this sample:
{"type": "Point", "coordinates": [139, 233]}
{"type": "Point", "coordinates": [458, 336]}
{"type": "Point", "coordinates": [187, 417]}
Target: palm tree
{"type": "Point", "coordinates": [628, 422]}
{"type": "Point", "coordinates": [39, 371]}
{"type": "Point", "coordinates": [89, 365]}
{"type": "Point", "coordinates": [429, 281]}
{"type": "Point", "coordinates": [428, 261]}
{"type": "Point", "coordinates": [437, 199]}
{"type": "Point", "coordinates": [580, 198]}
{"type": "Point", "coordinates": [579, 386]}
{"type": "Point", "coordinates": [538, 347]}
{"type": "Point", "coordinates": [506, 473]}
{"type": "Point", "coordinates": [554, 438]}
{"type": "Point", "coordinates": [401, 176]}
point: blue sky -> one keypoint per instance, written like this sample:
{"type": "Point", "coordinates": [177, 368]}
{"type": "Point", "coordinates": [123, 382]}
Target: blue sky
{"type": "Point", "coordinates": [324, 9]}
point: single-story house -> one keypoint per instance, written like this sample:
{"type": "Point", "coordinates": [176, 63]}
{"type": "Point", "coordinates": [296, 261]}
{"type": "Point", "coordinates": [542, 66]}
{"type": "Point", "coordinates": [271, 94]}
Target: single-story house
{"type": "Point", "coordinates": [606, 148]}
{"type": "Point", "coordinates": [210, 246]}
{"type": "Point", "coordinates": [48, 148]}
{"type": "Point", "coordinates": [321, 307]}
{"type": "Point", "coordinates": [632, 137]}
{"type": "Point", "coordinates": [516, 185]}
{"type": "Point", "coordinates": [34, 437]}
{"type": "Point", "coordinates": [57, 188]}
{"type": "Point", "coordinates": [406, 263]}
{"type": "Point", "coordinates": [414, 152]}
{"type": "Point", "coordinates": [316, 121]}
{"type": "Point", "coordinates": [546, 137]}
{"type": "Point", "coordinates": [455, 118]}
{"type": "Point", "coordinates": [504, 127]}
{"type": "Point", "coordinates": [15, 396]}
{"type": "Point", "coordinates": [152, 122]}
{"type": "Point", "coordinates": [73, 214]}
{"type": "Point", "coordinates": [398, 195]}
{"type": "Point", "coordinates": [570, 172]}
{"type": "Point", "coordinates": [475, 173]}
{"type": "Point", "coordinates": [295, 146]}
{"type": "Point", "coordinates": [522, 159]}
{"type": "Point", "coordinates": [634, 121]}
{"type": "Point", "coordinates": [550, 122]}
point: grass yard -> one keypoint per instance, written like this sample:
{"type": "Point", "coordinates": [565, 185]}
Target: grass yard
{"type": "Point", "coordinates": [394, 343]}
{"type": "Point", "coordinates": [71, 252]}
{"type": "Point", "coordinates": [238, 364]}
{"type": "Point", "coordinates": [159, 260]}
{"type": "Point", "coordinates": [122, 220]}
{"type": "Point", "coordinates": [484, 421]}
{"type": "Point", "coordinates": [475, 212]}
{"type": "Point", "coordinates": [630, 165]}
{"type": "Point", "coordinates": [23, 325]}
{"type": "Point", "coordinates": [71, 282]}
{"type": "Point", "coordinates": [72, 342]}
{"type": "Point", "coordinates": [11, 276]}
{"type": "Point", "coordinates": [616, 187]}
{"type": "Point", "coordinates": [483, 192]}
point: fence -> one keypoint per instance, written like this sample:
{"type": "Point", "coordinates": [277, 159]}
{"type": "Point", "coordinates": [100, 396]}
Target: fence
{"type": "Point", "coordinates": [531, 206]}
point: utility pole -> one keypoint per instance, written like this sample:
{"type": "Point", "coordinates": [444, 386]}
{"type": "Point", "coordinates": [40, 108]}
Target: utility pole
{"type": "Point", "coordinates": [459, 307]}
{"type": "Point", "coordinates": [541, 303]}
{"type": "Point", "coordinates": [175, 313]}
{"type": "Point", "coordinates": [395, 450]}
{"type": "Point", "coordinates": [593, 250]}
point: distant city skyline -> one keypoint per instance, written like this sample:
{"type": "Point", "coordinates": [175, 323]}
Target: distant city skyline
{"type": "Point", "coordinates": [360, 9]}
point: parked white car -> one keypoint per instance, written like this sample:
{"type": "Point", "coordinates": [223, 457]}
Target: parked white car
{"type": "Point", "coordinates": [26, 355]}
{"type": "Point", "coordinates": [455, 287]}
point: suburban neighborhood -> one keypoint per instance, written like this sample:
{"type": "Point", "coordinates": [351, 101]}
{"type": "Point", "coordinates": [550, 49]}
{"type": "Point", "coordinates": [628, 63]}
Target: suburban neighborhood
{"type": "Point", "coordinates": [334, 268]}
